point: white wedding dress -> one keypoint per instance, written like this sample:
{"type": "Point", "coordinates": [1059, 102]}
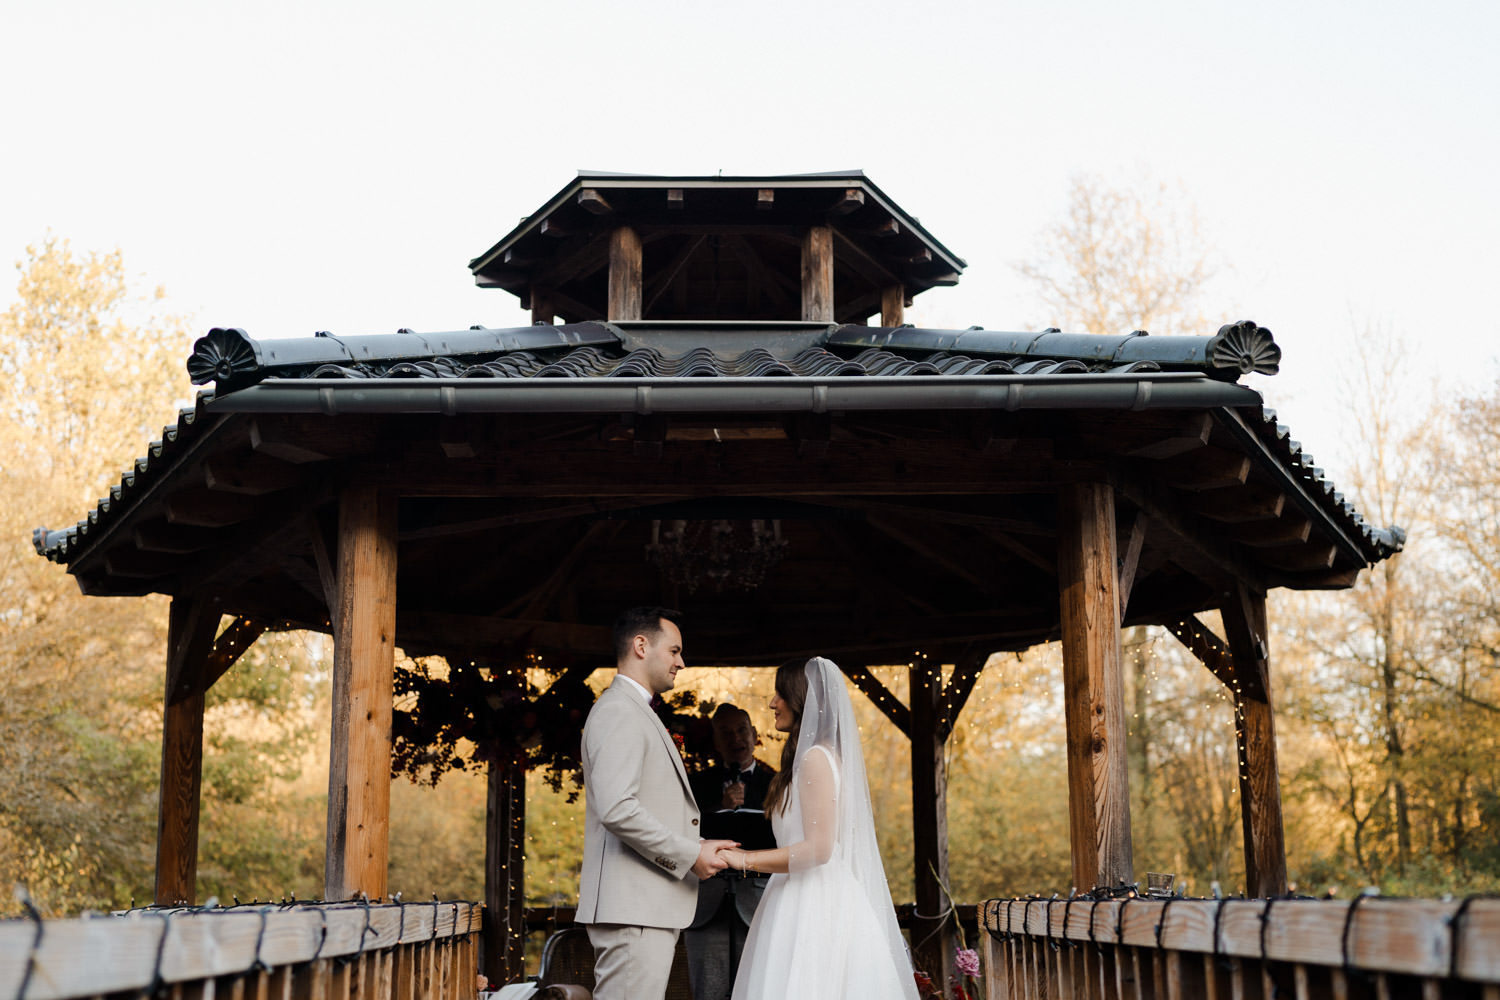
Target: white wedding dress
{"type": "Point", "coordinates": [826, 929]}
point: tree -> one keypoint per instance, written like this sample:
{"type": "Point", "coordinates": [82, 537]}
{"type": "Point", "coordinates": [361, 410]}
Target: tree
{"type": "Point", "coordinates": [88, 374]}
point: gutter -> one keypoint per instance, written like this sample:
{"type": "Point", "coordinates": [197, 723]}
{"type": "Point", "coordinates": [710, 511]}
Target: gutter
{"type": "Point", "coordinates": [450, 396]}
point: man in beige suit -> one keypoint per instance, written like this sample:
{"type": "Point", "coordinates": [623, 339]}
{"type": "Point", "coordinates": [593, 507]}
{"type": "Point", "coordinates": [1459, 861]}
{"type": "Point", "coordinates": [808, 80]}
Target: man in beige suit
{"type": "Point", "coordinates": [641, 825]}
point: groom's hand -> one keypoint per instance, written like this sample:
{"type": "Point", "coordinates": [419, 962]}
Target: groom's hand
{"type": "Point", "coordinates": [709, 862]}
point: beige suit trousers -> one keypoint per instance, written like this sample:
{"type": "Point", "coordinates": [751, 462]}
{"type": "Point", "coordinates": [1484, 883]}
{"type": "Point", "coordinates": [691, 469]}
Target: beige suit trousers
{"type": "Point", "coordinates": [631, 963]}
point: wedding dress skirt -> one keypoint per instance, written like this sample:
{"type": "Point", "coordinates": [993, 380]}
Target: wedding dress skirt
{"type": "Point", "coordinates": [815, 935]}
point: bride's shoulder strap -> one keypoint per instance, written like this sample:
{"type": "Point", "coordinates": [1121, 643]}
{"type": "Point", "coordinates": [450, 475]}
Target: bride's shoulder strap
{"type": "Point", "coordinates": [833, 763]}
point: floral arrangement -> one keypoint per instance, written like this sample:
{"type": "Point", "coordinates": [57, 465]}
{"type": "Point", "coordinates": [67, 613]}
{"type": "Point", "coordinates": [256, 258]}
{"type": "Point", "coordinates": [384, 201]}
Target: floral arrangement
{"type": "Point", "coordinates": [458, 716]}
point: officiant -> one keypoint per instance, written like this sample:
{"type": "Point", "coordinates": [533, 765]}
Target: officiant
{"type": "Point", "coordinates": [731, 797]}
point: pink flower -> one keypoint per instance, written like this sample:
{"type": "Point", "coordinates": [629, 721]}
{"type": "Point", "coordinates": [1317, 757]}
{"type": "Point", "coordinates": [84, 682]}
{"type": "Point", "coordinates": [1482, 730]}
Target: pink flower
{"type": "Point", "coordinates": [967, 961]}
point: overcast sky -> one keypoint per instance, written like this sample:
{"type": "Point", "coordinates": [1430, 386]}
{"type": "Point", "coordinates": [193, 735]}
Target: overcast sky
{"type": "Point", "coordinates": [292, 167]}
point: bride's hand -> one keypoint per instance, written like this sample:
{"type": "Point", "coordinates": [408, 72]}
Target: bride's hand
{"type": "Point", "coordinates": [733, 858]}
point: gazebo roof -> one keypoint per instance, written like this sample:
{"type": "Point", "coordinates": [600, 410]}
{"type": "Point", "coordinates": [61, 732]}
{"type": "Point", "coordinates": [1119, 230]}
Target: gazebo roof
{"type": "Point", "coordinates": [498, 437]}
{"type": "Point", "coordinates": [717, 247]}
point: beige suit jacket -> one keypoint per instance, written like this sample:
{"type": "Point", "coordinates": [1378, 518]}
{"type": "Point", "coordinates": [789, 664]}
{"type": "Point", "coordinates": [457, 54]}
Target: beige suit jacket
{"type": "Point", "coordinates": [640, 833]}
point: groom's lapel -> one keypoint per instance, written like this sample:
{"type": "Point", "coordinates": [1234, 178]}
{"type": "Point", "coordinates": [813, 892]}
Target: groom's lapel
{"type": "Point", "coordinates": [666, 738]}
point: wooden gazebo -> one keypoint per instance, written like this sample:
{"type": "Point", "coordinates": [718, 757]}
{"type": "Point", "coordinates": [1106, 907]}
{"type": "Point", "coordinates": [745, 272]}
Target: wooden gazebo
{"type": "Point", "coordinates": [700, 353]}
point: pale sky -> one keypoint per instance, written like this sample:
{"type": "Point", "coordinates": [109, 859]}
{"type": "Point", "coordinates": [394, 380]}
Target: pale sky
{"type": "Point", "coordinates": [292, 167]}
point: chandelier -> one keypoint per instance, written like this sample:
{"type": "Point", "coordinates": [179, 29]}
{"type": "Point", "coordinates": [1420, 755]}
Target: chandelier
{"type": "Point", "coordinates": [729, 555]}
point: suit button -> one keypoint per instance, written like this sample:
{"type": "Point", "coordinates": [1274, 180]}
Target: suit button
{"type": "Point", "coordinates": [695, 822]}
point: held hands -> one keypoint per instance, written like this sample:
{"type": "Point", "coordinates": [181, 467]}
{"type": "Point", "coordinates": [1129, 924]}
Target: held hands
{"type": "Point", "coordinates": [711, 858]}
{"type": "Point", "coordinates": [733, 858]}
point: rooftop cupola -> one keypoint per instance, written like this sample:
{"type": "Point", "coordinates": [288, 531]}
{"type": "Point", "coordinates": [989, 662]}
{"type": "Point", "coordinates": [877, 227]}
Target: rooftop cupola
{"type": "Point", "coordinates": [826, 248]}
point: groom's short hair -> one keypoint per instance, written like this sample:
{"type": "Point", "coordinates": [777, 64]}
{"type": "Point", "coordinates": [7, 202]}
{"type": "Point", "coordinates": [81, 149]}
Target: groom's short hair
{"type": "Point", "coordinates": [641, 621]}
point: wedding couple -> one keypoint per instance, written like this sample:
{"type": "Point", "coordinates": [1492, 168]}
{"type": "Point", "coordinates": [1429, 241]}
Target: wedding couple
{"type": "Point", "coordinates": [825, 926]}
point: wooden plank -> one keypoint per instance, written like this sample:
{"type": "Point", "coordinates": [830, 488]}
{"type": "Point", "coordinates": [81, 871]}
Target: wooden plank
{"type": "Point", "coordinates": [1184, 434]}
{"type": "Point", "coordinates": [1291, 530]}
{"type": "Point", "coordinates": [1093, 691]}
{"type": "Point", "coordinates": [1254, 503]}
{"type": "Point", "coordinates": [202, 508]}
{"type": "Point", "coordinates": [817, 275]}
{"type": "Point", "coordinates": [892, 305]}
{"type": "Point", "coordinates": [624, 301]}
{"type": "Point", "coordinates": [847, 202]}
{"type": "Point", "coordinates": [1130, 560]}
{"type": "Point", "coordinates": [359, 767]}
{"type": "Point", "coordinates": [1206, 469]}
{"type": "Point", "coordinates": [249, 474]}
{"type": "Point", "coordinates": [765, 199]}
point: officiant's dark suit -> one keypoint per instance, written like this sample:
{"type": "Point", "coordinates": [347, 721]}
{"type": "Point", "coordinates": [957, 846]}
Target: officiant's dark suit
{"type": "Point", "coordinates": [731, 798]}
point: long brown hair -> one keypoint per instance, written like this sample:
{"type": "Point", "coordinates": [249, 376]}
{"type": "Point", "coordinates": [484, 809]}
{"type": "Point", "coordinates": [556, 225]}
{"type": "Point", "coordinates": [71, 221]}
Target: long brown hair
{"type": "Point", "coordinates": [791, 686]}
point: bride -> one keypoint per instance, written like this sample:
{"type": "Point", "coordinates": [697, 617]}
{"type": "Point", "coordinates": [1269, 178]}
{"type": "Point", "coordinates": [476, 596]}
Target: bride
{"type": "Point", "coordinates": [825, 926]}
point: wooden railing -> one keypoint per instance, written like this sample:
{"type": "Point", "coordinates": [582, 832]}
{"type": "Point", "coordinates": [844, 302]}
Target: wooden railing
{"type": "Point", "coordinates": [397, 951]}
{"type": "Point", "coordinates": [1184, 949]}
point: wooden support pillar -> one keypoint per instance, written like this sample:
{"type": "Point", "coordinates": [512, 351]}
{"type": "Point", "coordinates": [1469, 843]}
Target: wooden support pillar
{"type": "Point", "coordinates": [505, 873]}
{"type": "Point", "coordinates": [817, 274]}
{"type": "Point", "coordinates": [931, 934]}
{"type": "Point", "coordinates": [364, 648]}
{"type": "Point", "coordinates": [892, 305]}
{"type": "Point", "coordinates": [542, 309]}
{"type": "Point", "coordinates": [624, 274]}
{"type": "Point", "coordinates": [1093, 690]}
{"type": "Point", "coordinates": [1255, 737]}
{"type": "Point", "coordinates": [190, 640]}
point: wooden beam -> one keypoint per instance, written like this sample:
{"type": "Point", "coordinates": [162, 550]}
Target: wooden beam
{"type": "Point", "coordinates": [624, 274]}
{"type": "Point", "coordinates": [359, 768]}
{"type": "Point", "coordinates": [1255, 731]}
{"type": "Point", "coordinates": [862, 263]}
{"type": "Point", "coordinates": [181, 540]}
{"type": "Point", "coordinates": [674, 198]}
{"type": "Point", "coordinates": [960, 685]}
{"type": "Point", "coordinates": [1246, 506]}
{"type": "Point", "coordinates": [594, 202]}
{"type": "Point", "coordinates": [1195, 547]}
{"type": "Point", "coordinates": [1093, 687]}
{"type": "Point", "coordinates": [765, 199]}
{"type": "Point", "coordinates": [1130, 560]}
{"type": "Point", "coordinates": [555, 229]}
{"type": "Point", "coordinates": [847, 202]}
{"type": "Point", "coordinates": [1291, 530]}
{"type": "Point", "coordinates": [892, 305]}
{"type": "Point", "coordinates": [205, 509]}
{"type": "Point", "coordinates": [312, 439]}
{"type": "Point", "coordinates": [880, 696]}
{"type": "Point", "coordinates": [190, 635]}
{"type": "Point", "coordinates": [932, 931]}
{"type": "Point", "coordinates": [1204, 644]}
{"type": "Point", "coordinates": [920, 542]}
{"type": "Point", "coordinates": [1206, 469]}
{"type": "Point", "coordinates": [817, 275]}
{"type": "Point", "coordinates": [249, 474]}
{"type": "Point", "coordinates": [668, 274]}
{"type": "Point", "coordinates": [1186, 433]}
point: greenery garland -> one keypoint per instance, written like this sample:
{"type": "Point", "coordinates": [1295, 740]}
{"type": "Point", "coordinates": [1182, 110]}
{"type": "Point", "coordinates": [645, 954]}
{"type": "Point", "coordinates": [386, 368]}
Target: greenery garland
{"type": "Point", "coordinates": [468, 717]}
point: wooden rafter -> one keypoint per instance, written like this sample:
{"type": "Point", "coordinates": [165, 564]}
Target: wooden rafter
{"type": "Point", "coordinates": [880, 696]}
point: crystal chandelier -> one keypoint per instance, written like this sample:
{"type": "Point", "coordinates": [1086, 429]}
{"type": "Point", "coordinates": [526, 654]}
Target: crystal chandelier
{"type": "Point", "coordinates": [729, 555]}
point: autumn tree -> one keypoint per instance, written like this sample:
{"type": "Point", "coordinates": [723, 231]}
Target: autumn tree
{"type": "Point", "coordinates": [89, 371]}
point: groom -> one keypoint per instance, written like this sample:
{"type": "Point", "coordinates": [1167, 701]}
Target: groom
{"type": "Point", "coordinates": [641, 824]}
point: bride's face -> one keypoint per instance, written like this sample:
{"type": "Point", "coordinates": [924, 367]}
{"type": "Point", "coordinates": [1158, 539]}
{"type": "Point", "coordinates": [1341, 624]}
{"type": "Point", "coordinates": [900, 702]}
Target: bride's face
{"type": "Point", "coordinates": [783, 714]}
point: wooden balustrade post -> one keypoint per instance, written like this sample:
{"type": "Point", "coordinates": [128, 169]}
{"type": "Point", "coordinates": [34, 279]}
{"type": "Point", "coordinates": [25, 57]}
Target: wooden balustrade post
{"type": "Point", "coordinates": [364, 651]}
{"type": "Point", "coordinates": [931, 929]}
{"type": "Point", "coordinates": [1245, 628]}
{"type": "Point", "coordinates": [1093, 686]}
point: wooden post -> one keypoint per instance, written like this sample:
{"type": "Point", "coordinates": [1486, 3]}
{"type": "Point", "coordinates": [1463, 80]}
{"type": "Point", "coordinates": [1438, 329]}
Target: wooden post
{"type": "Point", "coordinates": [190, 640]}
{"type": "Point", "coordinates": [1255, 738]}
{"type": "Point", "coordinates": [505, 869]}
{"type": "Point", "coordinates": [542, 309]}
{"type": "Point", "coordinates": [359, 759]}
{"type": "Point", "coordinates": [1093, 691]}
{"type": "Point", "coordinates": [624, 274]}
{"type": "Point", "coordinates": [817, 275]}
{"type": "Point", "coordinates": [931, 935]}
{"type": "Point", "coordinates": [892, 305]}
